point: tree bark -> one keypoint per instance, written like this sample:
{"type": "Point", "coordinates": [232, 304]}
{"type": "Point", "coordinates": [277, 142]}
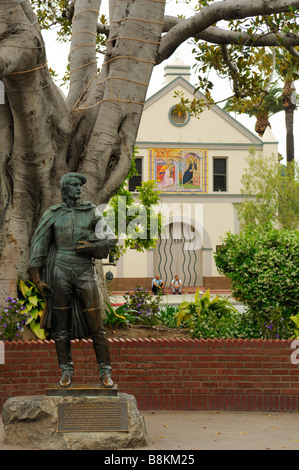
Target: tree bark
{"type": "Point", "coordinates": [43, 135]}
{"type": "Point", "coordinates": [289, 104]}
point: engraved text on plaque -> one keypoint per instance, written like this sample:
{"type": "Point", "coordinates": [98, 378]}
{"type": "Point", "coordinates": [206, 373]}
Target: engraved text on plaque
{"type": "Point", "coordinates": [92, 417]}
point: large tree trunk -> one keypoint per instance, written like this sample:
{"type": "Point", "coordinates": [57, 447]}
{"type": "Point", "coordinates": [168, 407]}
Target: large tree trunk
{"type": "Point", "coordinates": [44, 135]}
{"type": "Point", "coordinates": [93, 130]}
{"type": "Point", "coordinates": [289, 104]}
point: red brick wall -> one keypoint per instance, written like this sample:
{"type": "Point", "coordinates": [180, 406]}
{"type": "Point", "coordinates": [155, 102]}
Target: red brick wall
{"type": "Point", "coordinates": [253, 375]}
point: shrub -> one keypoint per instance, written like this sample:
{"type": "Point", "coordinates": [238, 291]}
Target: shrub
{"type": "Point", "coordinates": [145, 305]}
{"type": "Point", "coordinates": [167, 316]}
{"type": "Point", "coordinates": [209, 318]}
{"type": "Point", "coordinates": [119, 316]}
{"type": "Point", "coordinates": [263, 266]}
{"type": "Point", "coordinates": [13, 318]}
{"type": "Point", "coordinates": [34, 305]}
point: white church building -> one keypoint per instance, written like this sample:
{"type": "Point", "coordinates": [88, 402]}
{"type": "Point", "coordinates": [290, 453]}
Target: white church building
{"type": "Point", "coordinates": [198, 165]}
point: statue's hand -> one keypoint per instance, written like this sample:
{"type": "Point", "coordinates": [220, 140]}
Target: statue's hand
{"type": "Point", "coordinates": [44, 289]}
{"type": "Point", "coordinates": [97, 248]}
{"type": "Point", "coordinates": [85, 247]}
{"type": "Point", "coordinates": [112, 242]}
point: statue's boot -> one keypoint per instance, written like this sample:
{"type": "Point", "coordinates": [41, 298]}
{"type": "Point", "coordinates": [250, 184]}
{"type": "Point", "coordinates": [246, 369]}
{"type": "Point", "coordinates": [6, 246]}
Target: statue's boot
{"type": "Point", "coordinates": [61, 337]}
{"type": "Point", "coordinates": [63, 349]}
{"type": "Point", "coordinates": [100, 344]}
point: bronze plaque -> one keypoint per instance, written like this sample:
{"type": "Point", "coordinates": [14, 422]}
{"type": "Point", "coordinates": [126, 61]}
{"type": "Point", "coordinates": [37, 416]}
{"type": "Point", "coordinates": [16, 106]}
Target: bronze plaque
{"type": "Point", "coordinates": [92, 417]}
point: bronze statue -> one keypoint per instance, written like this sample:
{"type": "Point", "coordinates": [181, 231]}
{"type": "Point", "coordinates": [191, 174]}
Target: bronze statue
{"type": "Point", "coordinates": [61, 265]}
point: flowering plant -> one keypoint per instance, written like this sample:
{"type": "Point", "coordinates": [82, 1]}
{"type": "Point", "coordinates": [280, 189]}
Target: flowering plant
{"type": "Point", "coordinates": [12, 319]}
{"type": "Point", "coordinates": [145, 305]}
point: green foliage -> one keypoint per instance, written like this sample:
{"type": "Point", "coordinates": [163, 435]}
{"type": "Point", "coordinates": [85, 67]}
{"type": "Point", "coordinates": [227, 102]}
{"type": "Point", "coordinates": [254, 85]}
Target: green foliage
{"type": "Point", "coordinates": [262, 104]}
{"type": "Point", "coordinates": [272, 193]}
{"type": "Point", "coordinates": [34, 305]}
{"type": "Point", "coordinates": [295, 320]}
{"type": "Point", "coordinates": [287, 65]}
{"type": "Point", "coordinates": [136, 220]}
{"type": "Point", "coordinates": [119, 316]}
{"type": "Point", "coordinates": [194, 107]}
{"type": "Point", "coordinates": [263, 266]}
{"type": "Point", "coordinates": [248, 69]}
{"type": "Point", "coordinates": [167, 316]}
{"type": "Point", "coordinates": [50, 14]}
{"type": "Point", "coordinates": [209, 318]}
{"type": "Point", "coordinates": [252, 71]}
{"type": "Point", "coordinates": [13, 318]}
{"type": "Point", "coordinates": [203, 306]}
{"type": "Point", "coordinates": [146, 306]}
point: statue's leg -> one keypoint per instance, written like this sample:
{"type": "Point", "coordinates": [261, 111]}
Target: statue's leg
{"type": "Point", "coordinates": [100, 343]}
{"type": "Point", "coordinates": [61, 334]}
{"type": "Point", "coordinates": [87, 292]}
{"type": "Point", "coordinates": [61, 337]}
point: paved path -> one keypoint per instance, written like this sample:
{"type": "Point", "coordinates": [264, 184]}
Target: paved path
{"type": "Point", "coordinates": [170, 299]}
{"type": "Point", "coordinates": [212, 430]}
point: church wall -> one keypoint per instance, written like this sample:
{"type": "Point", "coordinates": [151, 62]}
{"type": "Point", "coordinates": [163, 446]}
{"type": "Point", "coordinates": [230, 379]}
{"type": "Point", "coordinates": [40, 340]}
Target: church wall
{"type": "Point", "coordinates": [214, 135]}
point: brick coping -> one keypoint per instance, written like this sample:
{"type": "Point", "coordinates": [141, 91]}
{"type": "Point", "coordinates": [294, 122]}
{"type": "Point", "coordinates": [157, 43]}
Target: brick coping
{"type": "Point", "coordinates": [229, 341]}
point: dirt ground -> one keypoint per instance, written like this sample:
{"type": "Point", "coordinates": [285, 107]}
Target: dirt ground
{"type": "Point", "coordinates": [129, 331]}
{"type": "Point", "coordinates": [140, 331]}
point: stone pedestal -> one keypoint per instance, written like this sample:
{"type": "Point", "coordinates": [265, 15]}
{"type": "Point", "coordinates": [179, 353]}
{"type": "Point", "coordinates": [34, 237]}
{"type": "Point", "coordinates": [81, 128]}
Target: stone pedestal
{"type": "Point", "coordinates": [79, 418]}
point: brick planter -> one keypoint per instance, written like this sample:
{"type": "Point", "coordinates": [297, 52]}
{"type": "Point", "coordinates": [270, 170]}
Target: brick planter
{"type": "Point", "coordinates": [244, 375]}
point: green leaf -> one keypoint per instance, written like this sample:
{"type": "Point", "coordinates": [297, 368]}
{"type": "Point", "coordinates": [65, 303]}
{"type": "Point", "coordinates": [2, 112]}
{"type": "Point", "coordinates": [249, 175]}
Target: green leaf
{"type": "Point", "coordinates": [183, 315]}
{"type": "Point", "coordinates": [206, 295]}
{"type": "Point", "coordinates": [184, 304]}
{"type": "Point", "coordinates": [295, 319]}
{"type": "Point", "coordinates": [198, 310]}
{"type": "Point", "coordinates": [33, 300]}
{"type": "Point", "coordinates": [37, 330]}
{"type": "Point", "coordinates": [26, 291]}
{"type": "Point", "coordinates": [196, 295]}
{"type": "Point", "coordinates": [34, 313]}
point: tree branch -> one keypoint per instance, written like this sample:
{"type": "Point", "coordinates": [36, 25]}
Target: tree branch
{"type": "Point", "coordinates": [112, 6]}
{"type": "Point", "coordinates": [293, 51]}
{"type": "Point", "coordinates": [83, 60]}
{"type": "Point", "coordinates": [211, 14]}
{"type": "Point", "coordinates": [6, 143]}
{"type": "Point", "coordinates": [28, 10]}
{"type": "Point", "coordinates": [128, 70]}
{"type": "Point", "coordinates": [233, 70]}
{"type": "Point", "coordinates": [216, 35]}
{"type": "Point", "coordinates": [32, 96]}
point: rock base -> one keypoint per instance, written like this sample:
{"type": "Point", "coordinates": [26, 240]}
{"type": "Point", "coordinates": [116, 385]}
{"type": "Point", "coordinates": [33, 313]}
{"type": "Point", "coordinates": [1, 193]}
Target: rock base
{"type": "Point", "coordinates": [31, 421]}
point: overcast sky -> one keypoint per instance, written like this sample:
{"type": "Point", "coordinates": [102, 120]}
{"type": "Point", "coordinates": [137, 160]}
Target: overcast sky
{"type": "Point", "coordinates": [58, 53]}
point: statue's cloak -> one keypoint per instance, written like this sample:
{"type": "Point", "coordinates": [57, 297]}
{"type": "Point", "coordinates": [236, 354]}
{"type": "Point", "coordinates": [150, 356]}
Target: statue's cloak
{"type": "Point", "coordinates": [79, 328]}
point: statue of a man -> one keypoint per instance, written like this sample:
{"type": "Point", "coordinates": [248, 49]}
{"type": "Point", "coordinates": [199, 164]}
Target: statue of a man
{"type": "Point", "coordinates": [61, 265]}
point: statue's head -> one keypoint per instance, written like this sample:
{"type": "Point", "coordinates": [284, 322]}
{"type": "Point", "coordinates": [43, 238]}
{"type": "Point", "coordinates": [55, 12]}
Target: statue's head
{"type": "Point", "coordinates": [70, 185]}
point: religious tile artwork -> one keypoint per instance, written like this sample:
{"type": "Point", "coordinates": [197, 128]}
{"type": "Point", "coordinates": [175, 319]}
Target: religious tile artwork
{"type": "Point", "coordinates": [179, 170]}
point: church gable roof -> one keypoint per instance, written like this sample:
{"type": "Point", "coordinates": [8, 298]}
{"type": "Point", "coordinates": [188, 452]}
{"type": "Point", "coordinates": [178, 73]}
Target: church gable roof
{"type": "Point", "coordinates": [213, 126]}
